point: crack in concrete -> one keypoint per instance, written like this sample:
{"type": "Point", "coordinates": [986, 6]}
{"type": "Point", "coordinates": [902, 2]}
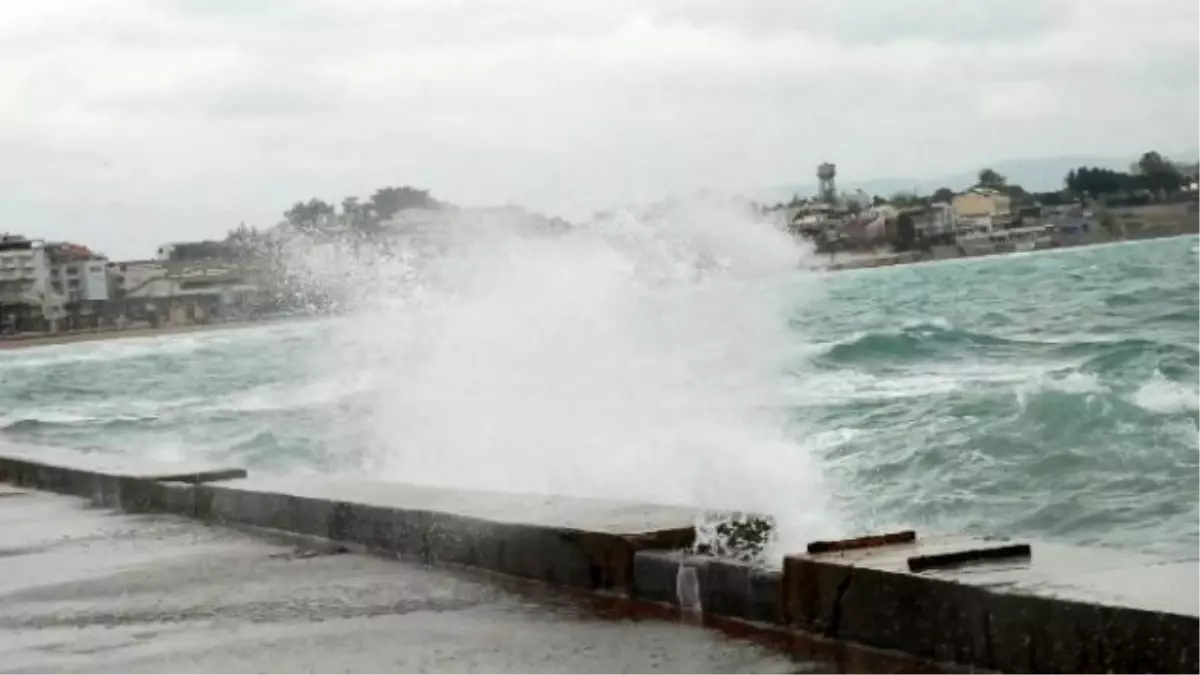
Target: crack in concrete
{"type": "Point", "coordinates": [835, 616]}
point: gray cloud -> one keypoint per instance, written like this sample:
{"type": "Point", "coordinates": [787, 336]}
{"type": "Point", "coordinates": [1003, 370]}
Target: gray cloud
{"type": "Point", "coordinates": [131, 123]}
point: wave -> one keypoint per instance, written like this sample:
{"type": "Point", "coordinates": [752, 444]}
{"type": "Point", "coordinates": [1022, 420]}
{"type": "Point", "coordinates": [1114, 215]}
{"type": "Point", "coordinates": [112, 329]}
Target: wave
{"type": "Point", "coordinates": [1164, 396]}
{"type": "Point", "coordinates": [129, 412]}
{"type": "Point", "coordinates": [1113, 356]}
{"type": "Point", "coordinates": [290, 396]}
{"type": "Point", "coordinates": [912, 339]}
{"type": "Point", "coordinates": [1150, 294]}
{"type": "Point", "coordinates": [33, 425]}
{"type": "Point", "coordinates": [1189, 316]}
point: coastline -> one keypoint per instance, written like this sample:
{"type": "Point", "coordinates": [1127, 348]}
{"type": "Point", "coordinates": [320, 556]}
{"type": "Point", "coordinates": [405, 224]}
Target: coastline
{"type": "Point", "coordinates": [876, 259]}
{"type": "Point", "coordinates": [45, 340]}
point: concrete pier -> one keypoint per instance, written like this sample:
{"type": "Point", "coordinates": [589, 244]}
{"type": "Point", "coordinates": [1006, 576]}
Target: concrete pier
{"type": "Point", "coordinates": [1052, 608]}
{"type": "Point", "coordinates": [91, 591]}
{"type": "Point", "coordinates": [86, 590]}
{"type": "Point", "coordinates": [947, 601]}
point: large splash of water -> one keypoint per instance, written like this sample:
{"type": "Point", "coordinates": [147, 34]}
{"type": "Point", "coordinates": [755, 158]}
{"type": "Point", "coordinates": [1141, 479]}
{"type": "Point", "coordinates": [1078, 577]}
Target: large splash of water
{"type": "Point", "coordinates": [636, 357]}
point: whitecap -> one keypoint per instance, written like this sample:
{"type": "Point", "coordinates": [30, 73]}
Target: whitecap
{"type": "Point", "coordinates": [1161, 395]}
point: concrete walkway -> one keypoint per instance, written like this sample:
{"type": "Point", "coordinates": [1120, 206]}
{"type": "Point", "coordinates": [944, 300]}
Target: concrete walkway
{"type": "Point", "coordinates": [92, 590]}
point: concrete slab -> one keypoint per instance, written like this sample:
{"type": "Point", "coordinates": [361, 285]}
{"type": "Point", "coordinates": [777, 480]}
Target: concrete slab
{"type": "Point", "coordinates": [1106, 576]}
{"type": "Point", "coordinates": [584, 543]}
{"type": "Point", "coordinates": [89, 590]}
{"type": "Point", "coordinates": [1062, 609]}
{"type": "Point", "coordinates": [1059, 608]}
{"type": "Point", "coordinates": [592, 515]}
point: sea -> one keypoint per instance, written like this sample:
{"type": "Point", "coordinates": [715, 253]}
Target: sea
{"type": "Point", "coordinates": [687, 360]}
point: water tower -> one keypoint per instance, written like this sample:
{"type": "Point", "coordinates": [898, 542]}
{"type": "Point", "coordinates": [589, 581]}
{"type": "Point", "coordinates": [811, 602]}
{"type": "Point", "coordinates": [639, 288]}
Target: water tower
{"type": "Point", "coordinates": [826, 188]}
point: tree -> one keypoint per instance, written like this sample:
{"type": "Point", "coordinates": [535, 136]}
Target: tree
{"type": "Point", "coordinates": [388, 201]}
{"type": "Point", "coordinates": [1096, 181]}
{"type": "Point", "coordinates": [1157, 174]}
{"type": "Point", "coordinates": [1152, 163]}
{"type": "Point", "coordinates": [245, 242]}
{"type": "Point", "coordinates": [878, 201]}
{"type": "Point", "coordinates": [989, 178]}
{"type": "Point", "coordinates": [305, 216]}
{"type": "Point", "coordinates": [1049, 198]}
{"type": "Point", "coordinates": [944, 194]}
{"type": "Point", "coordinates": [906, 199]}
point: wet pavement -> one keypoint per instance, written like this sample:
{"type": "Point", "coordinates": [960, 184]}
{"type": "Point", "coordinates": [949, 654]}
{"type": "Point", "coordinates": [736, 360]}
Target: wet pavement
{"type": "Point", "coordinates": [92, 590]}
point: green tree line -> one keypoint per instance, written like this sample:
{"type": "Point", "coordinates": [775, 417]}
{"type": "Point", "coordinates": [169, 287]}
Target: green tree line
{"type": "Point", "coordinates": [1152, 173]}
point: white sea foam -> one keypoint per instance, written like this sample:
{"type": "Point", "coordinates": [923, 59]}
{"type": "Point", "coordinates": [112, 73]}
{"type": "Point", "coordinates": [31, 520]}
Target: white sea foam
{"type": "Point", "coordinates": [634, 358]}
{"type": "Point", "coordinates": [1161, 395]}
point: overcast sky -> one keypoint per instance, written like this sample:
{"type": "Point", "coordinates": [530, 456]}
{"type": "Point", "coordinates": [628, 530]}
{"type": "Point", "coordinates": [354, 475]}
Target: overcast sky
{"type": "Point", "coordinates": [127, 123]}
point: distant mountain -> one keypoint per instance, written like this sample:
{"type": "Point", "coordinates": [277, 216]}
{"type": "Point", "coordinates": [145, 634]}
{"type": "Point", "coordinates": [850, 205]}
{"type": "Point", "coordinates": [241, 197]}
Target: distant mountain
{"type": "Point", "coordinates": [1036, 175]}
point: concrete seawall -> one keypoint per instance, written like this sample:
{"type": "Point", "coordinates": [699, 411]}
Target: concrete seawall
{"type": "Point", "coordinates": [976, 603]}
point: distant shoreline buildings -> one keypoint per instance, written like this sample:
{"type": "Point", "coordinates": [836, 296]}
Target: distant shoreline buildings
{"type": "Point", "coordinates": [54, 287]}
{"type": "Point", "coordinates": [51, 287]}
{"type": "Point", "coordinates": [993, 217]}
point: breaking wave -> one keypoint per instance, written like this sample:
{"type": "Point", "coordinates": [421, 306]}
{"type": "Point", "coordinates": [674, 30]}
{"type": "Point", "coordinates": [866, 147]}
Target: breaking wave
{"type": "Point", "coordinates": [680, 357]}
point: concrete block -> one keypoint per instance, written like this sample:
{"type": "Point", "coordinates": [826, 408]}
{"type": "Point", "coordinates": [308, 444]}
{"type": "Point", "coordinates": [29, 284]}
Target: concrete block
{"type": "Point", "coordinates": [307, 515]}
{"type": "Point", "coordinates": [202, 499]}
{"type": "Point", "coordinates": [1040, 634]}
{"type": "Point", "coordinates": [174, 498]}
{"type": "Point", "coordinates": [764, 596]}
{"type": "Point", "coordinates": [262, 509]}
{"type": "Point", "coordinates": [135, 495]}
{"type": "Point", "coordinates": [105, 489]}
{"type": "Point", "coordinates": [878, 608]}
{"type": "Point", "coordinates": [1175, 645]}
{"type": "Point", "coordinates": [456, 540]}
{"type": "Point", "coordinates": [598, 561]}
{"type": "Point", "coordinates": [969, 618]}
{"type": "Point", "coordinates": [224, 505]}
{"type": "Point", "coordinates": [197, 476]}
{"type": "Point", "coordinates": [105, 481]}
{"type": "Point", "coordinates": [959, 558]}
{"type": "Point", "coordinates": [869, 541]}
{"type": "Point", "coordinates": [382, 530]}
{"type": "Point", "coordinates": [404, 530]}
{"type": "Point", "coordinates": [810, 593]}
{"type": "Point", "coordinates": [727, 588]}
{"type": "Point", "coordinates": [654, 576]}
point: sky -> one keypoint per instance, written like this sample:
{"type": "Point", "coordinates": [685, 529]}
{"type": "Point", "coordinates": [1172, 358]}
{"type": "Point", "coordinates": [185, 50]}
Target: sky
{"type": "Point", "coordinates": [130, 123]}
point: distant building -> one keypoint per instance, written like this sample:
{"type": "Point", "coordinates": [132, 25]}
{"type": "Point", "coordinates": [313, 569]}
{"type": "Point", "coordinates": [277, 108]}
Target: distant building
{"type": "Point", "coordinates": [938, 222]}
{"type": "Point", "coordinates": [24, 278]}
{"type": "Point", "coordinates": [187, 291]}
{"type": "Point", "coordinates": [139, 279]}
{"type": "Point", "coordinates": [22, 270]}
{"type": "Point", "coordinates": [981, 202]}
{"type": "Point", "coordinates": [77, 274]}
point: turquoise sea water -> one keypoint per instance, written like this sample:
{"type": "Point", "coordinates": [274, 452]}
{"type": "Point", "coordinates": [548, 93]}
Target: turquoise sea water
{"type": "Point", "coordinates": [1042, 395]}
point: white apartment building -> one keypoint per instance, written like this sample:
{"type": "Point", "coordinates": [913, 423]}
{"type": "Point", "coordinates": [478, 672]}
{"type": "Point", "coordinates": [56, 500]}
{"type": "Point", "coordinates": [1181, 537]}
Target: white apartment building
{"type": "Point", "coordinates": [76, 274]}
{"type": "Point", "coordinates": [23, 271]}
